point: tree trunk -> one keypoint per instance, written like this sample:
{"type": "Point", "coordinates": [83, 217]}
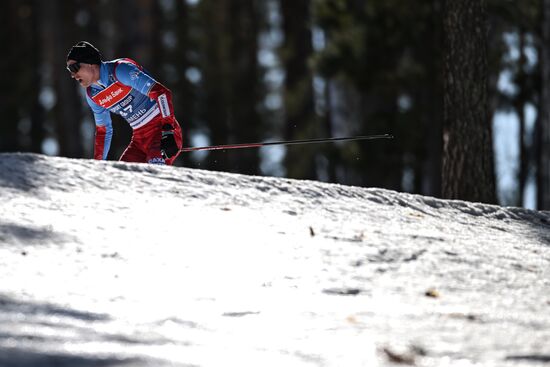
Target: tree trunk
{"type": "Point", "coordinates": [184, 93]}
{"type": "Point", "coordinates": [245, 121]}
{"type": "Point", "coordinates": [298, 87]}
{"type": "Point", "coordinates": [543, 143]}
{"type": "Point", "coordinates": [37, 110]}
{"type": "Point", "coordinates": [57, 33]}
{"type": "Point", "coordinates": [468, 168]}
{"type": "Point", "coordinates": [430, 177]}
{"type": "Point", "coordinates": [213, 18]}
{"type": "Point", "coordinates": [521, 101]}
{"type": "Point", "coordinates": [231, 78]}
{"type": "Point", "coordinates": [21, 78]}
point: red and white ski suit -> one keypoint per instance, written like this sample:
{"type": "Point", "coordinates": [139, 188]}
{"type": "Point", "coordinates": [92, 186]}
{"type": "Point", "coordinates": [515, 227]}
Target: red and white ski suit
{"type": "Point", "coordinates": [124, 88]}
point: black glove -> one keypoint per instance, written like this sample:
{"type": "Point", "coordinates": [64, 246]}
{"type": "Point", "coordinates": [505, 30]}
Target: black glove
{"type": "Point", "coordinates": [168, 146]}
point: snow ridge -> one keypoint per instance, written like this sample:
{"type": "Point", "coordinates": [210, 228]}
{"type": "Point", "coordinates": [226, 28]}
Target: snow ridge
{"type": "Point", "coordinates": [109, 263]}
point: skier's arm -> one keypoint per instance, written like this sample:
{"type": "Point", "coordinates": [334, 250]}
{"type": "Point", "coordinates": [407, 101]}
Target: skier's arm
{"type": "Point", "coordinates": [163, 96]}
{"type": "Point", "coordinates": [103, 130]}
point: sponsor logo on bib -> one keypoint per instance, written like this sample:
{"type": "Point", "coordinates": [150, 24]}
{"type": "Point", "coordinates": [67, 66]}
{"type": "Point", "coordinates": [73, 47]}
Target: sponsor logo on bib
{"type": "Point", "coordinates": [112, 95]}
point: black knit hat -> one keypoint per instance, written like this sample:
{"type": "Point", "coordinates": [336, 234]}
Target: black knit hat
{"type": "Point", "coordinates": [84, 52]}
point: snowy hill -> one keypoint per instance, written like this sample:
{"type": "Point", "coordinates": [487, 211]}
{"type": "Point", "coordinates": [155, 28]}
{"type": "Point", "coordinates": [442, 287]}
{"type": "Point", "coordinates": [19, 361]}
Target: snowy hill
{"type": "Point", "coordinates": [114, 264]}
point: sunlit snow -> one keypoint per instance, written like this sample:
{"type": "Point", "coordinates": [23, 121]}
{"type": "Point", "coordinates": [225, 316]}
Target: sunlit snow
{"type": "Point", "coordinates": [115, 264]}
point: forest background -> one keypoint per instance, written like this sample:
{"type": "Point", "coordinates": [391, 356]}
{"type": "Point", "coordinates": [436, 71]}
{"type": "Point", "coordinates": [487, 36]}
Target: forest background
{"type": "Point", "coordinates": [245, 71]}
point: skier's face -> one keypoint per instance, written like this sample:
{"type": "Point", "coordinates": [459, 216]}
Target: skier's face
{"type": "Point", "coordinates": [82, 73]}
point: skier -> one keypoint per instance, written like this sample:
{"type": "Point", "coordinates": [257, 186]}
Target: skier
{"type": "Point", "coordinates": [123, 87]}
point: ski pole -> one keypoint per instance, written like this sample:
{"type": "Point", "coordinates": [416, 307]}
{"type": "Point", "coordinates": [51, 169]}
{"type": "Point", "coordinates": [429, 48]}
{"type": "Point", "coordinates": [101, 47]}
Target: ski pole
{"type": "Point", "coordinates": [287, 142]}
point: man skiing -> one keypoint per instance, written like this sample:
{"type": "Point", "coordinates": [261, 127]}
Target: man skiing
{"type": "Point", "coordinates": [123, 87]}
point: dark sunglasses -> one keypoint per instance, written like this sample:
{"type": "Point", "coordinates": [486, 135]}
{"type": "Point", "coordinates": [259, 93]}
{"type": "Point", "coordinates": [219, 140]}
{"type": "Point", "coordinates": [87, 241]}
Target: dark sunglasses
{"type": "Point", "coordinates": [74, 68]}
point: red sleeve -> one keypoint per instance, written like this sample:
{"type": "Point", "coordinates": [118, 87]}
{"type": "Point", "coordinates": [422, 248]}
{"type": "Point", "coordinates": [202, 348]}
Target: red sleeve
{"type": "Point", "coordinates": [99, 146]}
{"type": "Point", "coordinates": [163, 96]}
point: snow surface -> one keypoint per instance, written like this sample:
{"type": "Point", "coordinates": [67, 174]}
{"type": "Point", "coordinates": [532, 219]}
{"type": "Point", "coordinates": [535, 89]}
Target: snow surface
{"type": "Point", "coordinates": [115, 264]}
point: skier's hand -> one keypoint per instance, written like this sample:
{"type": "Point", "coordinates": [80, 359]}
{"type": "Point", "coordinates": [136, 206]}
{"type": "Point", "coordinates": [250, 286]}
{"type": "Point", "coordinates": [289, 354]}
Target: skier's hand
{"type": "Point", "coordinates": [168, 145]}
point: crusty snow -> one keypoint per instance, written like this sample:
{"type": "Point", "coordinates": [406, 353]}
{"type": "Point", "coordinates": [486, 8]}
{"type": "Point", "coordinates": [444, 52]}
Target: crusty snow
{"type": "Point", "coordinates": [115, 264]}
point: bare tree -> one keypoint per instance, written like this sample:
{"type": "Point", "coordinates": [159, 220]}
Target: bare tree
{"type": "Point", "coordinates": [468, 168]}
